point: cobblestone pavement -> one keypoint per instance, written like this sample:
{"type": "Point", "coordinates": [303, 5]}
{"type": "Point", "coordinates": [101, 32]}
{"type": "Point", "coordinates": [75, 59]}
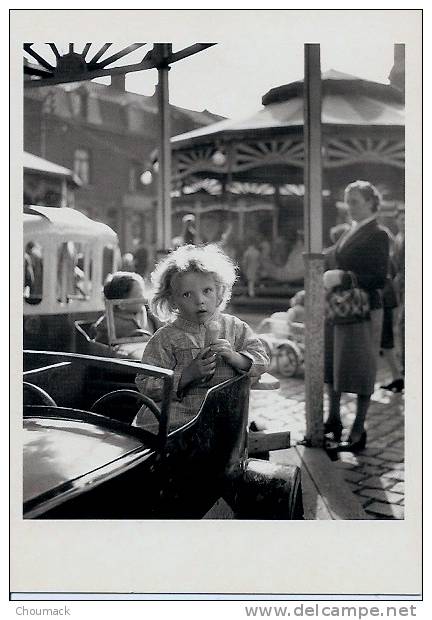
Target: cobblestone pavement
{"type": "Point", "coordinates": [375, 475]}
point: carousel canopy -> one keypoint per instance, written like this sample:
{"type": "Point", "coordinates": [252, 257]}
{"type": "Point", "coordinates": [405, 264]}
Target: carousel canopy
{"type": "Point", "coordinates": [33, 163]}
{"type": "Point", "coordinates": [362, 134]}
{"type": "Point", "coordinates": [347, 101]}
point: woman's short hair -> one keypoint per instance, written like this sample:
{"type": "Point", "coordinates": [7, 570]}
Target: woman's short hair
{"type": "Point", "coordinates": [118, 285]}
{"type": "Point", "coordinates": [206, 259]}
{"type": "Point", "coordinates": [368, 191]}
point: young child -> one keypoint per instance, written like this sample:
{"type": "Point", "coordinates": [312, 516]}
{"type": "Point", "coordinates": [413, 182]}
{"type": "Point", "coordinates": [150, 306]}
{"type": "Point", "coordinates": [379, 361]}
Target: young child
{"type": "Point", "coordinates": [123, 285]}
{"type": "Point", "coordinates": [296, 312]}
{"type": "Point", "coordinates": [201, 344]}
{"type": "Point", "coordinates": [296, 316]}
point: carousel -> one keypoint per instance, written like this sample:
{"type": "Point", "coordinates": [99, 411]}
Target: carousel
{"type": "Point", "coordinates": [244, 179]}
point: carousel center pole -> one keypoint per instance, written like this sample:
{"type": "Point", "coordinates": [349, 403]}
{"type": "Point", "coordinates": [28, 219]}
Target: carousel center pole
{"type": "Point", "coordinates": [163, 219]}
{"type": "Point", "coordinates": [313, 256]}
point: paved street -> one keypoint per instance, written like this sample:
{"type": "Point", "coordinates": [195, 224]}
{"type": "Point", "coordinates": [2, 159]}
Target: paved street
{"type": "Point", "coordinates": [375, 475]}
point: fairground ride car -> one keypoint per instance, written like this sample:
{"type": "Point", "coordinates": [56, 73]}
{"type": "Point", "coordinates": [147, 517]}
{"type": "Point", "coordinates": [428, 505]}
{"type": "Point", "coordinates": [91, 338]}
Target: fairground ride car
{"type": "Point", "coordinates": [84, 460]}
{"type": "Point", "coordinates": [67, 257]}
{"type": "Point", "coordinates": [130, 347]}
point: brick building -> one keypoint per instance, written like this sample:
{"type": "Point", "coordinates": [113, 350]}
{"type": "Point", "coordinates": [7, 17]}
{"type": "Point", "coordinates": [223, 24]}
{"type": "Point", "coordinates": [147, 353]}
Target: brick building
{"type": "Point", "coordinates": [105, 135]}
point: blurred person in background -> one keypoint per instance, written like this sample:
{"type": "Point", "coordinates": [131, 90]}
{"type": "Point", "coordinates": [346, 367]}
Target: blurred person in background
{"type": "Point", "coordinates": [399, 280]}
{"type": "Point", "coordinates": [250, 266]}
{"type": "Point", "coordinates": [127, 262]}
{"type": "Point", "coordinates": [141, 261]}
{"type": "Point", "coordinates": [390, 305]}
{"type": "Point", "coordinates": [189, 233]}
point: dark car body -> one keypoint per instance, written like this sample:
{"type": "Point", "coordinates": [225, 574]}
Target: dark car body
{"type": "Point", "coordinates": [84, 460]}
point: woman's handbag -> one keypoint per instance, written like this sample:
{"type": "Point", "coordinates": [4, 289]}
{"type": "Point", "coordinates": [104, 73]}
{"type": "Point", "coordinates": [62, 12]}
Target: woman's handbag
{"type": "Point", "coordinates": [345, 306]}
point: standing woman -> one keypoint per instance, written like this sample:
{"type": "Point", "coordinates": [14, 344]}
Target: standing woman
{"type": "Point", "coordinates": [352, 349]}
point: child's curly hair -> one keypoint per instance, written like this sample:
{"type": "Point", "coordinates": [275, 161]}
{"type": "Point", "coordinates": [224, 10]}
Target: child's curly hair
{"type": "Point", "coordinates": [208, 259]}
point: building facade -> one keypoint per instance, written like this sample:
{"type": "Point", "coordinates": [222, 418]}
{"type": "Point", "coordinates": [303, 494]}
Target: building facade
{"type": "Point", "coordinates": [105, 135]}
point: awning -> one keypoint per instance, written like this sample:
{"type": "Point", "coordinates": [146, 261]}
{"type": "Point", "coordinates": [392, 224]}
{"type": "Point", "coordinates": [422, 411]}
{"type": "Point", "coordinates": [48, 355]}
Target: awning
{"type": "Point", "coordinates": [64, 223]}
{"type": "Point", "coordinates": [33, 163]}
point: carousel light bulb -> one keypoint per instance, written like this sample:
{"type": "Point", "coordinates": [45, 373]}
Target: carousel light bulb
{"type": "Point", "coordinates": [146, 177]}
{"type": "Point", "coordinates": [218, 158]}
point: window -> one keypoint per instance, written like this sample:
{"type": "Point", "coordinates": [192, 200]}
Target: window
{"type": "Point", "coordinates": [82, 165]}
{"type": "Point", "coordinates": [49, 103]}
{"type": "Point", "coordinates": [135, 178]}
{"type": "Point", "coordinates": [76, 101]}
{"type": "Point", "coordinates": [74, 272]}
{"type": "Point", "coordinates": [135, 119]}
{"type": "Point", "coordinates": [109, 262]}
{"type": "Point", "coordinates": [33, 273]}
{"type": "Point", "coordinates": [79, 103]}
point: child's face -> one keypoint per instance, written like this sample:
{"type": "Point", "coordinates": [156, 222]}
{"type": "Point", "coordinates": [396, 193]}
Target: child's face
{"type": "Point", "coordinates": [195, 296]}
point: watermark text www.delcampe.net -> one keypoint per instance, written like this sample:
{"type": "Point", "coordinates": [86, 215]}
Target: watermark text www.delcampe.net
{"type": "Point", "coordinates": [335, 611]}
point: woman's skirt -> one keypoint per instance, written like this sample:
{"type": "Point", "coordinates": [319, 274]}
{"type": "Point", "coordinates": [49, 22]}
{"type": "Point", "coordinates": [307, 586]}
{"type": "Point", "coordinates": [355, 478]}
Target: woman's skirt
{"type": "Point", "coordinates": [351, 354]}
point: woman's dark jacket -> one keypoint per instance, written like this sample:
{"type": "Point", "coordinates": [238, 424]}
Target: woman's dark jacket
{"type": "Point", "coordinates": [365, 252]}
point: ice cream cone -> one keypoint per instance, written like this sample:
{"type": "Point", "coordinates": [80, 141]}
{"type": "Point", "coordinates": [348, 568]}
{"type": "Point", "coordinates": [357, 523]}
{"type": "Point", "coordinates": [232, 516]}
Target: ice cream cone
{"type": "Point", "coordinates": [212, 333]}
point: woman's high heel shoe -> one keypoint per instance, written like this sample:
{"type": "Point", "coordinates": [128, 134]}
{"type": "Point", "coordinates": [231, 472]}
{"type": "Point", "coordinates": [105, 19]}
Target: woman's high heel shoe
{"type": "Point", "coordinates": [334, 428]}
{"type": "Point", "coordinates": [396, 386]}
{"type": "Point", "coordinates": [352, 446]}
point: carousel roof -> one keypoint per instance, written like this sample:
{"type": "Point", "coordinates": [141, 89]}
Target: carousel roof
{"type": "Point", "coordinates": [346, 101]}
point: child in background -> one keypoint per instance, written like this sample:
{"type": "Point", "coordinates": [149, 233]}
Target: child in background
{"type": "Point", "coordinates": [200, 343]}
{"type": "Point", "coordinates": [128, 318]}
{"type": "Point", "coordinates": [296, 312]}
{"type": "Point", "coordinates": [296, 316]}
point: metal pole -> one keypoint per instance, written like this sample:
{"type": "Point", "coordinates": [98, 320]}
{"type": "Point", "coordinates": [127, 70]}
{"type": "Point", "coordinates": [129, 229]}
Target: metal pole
{"type": "Point", "coordinates": [64, 200]}
{"type": "Point", "coordinates": [314, 260]}
{"type": "Point", "coordinates": [197, 211]}
{"type": "Point", "coordinates": [164, 177]}
{"type": "Point", "coordinates": [43, 135]}
{"type": "Point", "coordinates": [275, 224]}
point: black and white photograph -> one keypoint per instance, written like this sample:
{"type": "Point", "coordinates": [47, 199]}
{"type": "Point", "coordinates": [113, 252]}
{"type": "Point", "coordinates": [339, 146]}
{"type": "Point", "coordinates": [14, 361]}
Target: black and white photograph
{"type": "Point", "coordinates": [215, 361]}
